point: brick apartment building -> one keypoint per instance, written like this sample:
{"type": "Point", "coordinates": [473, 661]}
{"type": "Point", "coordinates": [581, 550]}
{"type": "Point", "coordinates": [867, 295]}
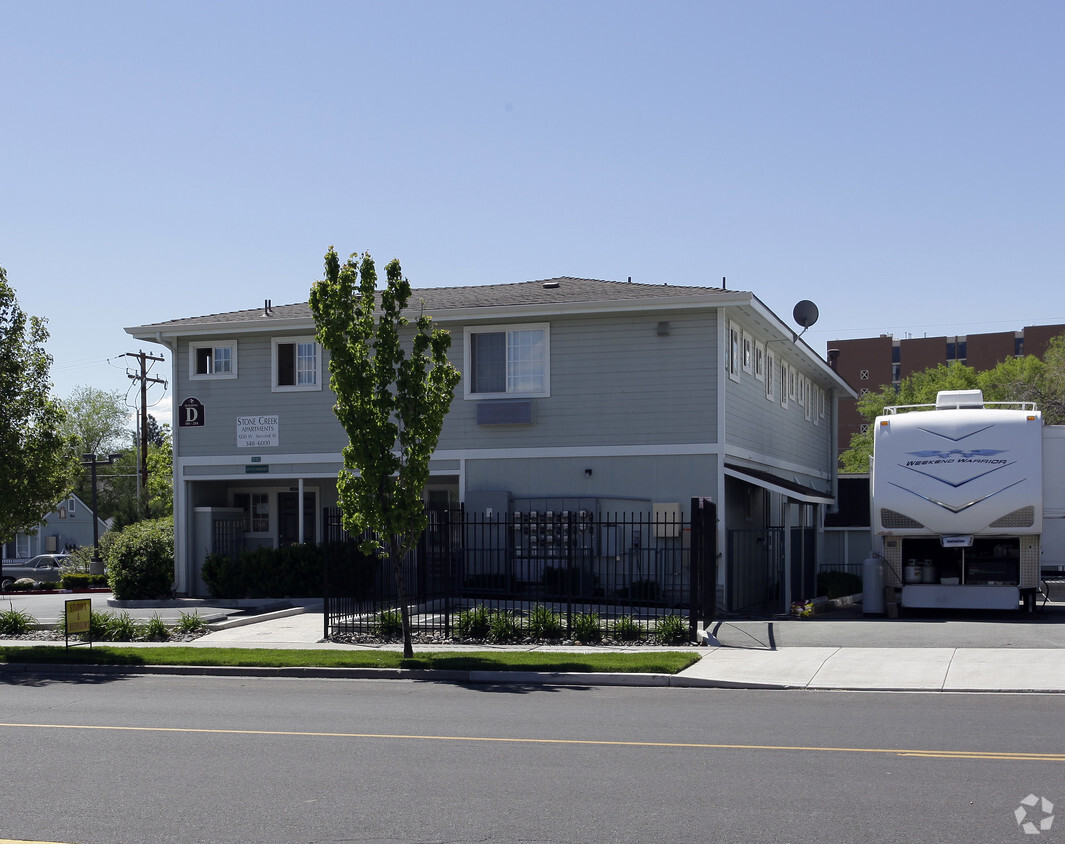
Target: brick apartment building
{"type": "Point", "coordinates": [868, 363]}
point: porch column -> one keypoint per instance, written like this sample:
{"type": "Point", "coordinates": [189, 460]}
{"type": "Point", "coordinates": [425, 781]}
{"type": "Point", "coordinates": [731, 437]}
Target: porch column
{"type": "Point", "coordinates": [299, 511]}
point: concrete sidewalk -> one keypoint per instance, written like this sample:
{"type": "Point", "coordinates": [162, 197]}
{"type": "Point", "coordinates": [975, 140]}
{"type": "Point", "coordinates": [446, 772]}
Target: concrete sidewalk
{"type": "Point", "coordinates": [845, 668]}
{"type": "Point", "coordinates": [766, 659]}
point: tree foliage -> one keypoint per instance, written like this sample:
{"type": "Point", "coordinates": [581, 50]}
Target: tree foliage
{"type": "Point", "coordinates": [98, 419]}
{"type": "Point", "coordinates": [391, 401]}
{"type": "Point", "coordinates": [37, 461]}
{"type": "Point", "coordinates": [1026, 378]}
{"type": "Point", "coordinates": [160, 492]}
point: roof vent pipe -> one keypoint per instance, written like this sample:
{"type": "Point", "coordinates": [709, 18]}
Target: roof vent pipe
{"type": "Point", "coordinates": [267, 305]}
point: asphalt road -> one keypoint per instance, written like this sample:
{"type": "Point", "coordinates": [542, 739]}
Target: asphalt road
{"type": "Point", "coordinates": [165, 759]}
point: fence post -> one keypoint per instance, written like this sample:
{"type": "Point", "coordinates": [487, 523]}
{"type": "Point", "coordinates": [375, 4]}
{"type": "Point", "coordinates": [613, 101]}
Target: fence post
{"type": "Point", "coordinates": [703, 563]}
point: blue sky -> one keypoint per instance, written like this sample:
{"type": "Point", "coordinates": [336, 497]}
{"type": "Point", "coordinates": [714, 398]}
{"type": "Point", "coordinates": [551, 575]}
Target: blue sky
{"type": "Point", "coordinates": [902, 164]}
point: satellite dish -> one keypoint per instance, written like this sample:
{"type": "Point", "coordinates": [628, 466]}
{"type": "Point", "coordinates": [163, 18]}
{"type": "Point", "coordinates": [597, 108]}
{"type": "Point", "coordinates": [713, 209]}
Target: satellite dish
{"type": "Point", "coordinates": [805, 313]}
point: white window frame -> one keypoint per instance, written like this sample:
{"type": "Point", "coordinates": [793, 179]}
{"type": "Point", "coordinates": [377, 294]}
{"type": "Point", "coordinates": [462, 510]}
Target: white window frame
{"type": "Point", "coordinates": [785, 373]}
{"type": "Point", "coordinates": [23, 545]}
{"type": "Point", "coordinates": [270, 504]}
{"type": "Point", "coordinates": [808, 398]}
{"type": "Point", "coordinates": [71, 509]}
{"type": "Point", "coordinates": [296, 342]}
{"type": "Point", "coordinates": [467, 360]}
{"type": "Point", "coordinates": [747, 353]}
{"type": "Point", "coordinates": [734, 345]}
{"type": "Point", "coordinates": [214, 346]}
{"type": "Point", "coordinates": [770, 375]}
{"type": "Point", "coordinates": [759, 361]}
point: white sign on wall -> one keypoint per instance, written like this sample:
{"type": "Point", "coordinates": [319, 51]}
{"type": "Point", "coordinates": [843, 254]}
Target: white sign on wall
{"type": "Point", "coordinates": [257, 432]}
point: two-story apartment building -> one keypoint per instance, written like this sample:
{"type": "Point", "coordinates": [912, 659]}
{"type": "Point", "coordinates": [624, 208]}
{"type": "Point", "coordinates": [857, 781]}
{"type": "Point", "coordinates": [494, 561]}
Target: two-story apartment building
{"type": "Point", "coordinates": [575, 393]}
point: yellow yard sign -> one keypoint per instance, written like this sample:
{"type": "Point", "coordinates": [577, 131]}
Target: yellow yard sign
{"type": "Point", "coordinates": [79, 617]}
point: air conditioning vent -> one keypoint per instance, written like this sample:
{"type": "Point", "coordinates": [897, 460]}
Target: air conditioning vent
{"type": "Point", "coordinates": [896, 521]}
{"type": "Point", "coordinates": [1025, 517]}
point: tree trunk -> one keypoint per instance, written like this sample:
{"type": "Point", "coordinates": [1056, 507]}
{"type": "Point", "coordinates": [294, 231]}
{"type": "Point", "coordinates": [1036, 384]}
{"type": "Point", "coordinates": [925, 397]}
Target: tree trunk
{"type": "Point", "coordinates": [396, 552]}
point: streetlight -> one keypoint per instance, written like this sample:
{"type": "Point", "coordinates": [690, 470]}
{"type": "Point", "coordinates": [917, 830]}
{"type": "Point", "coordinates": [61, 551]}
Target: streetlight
{"type": "Point", "coordinates": [96, 566]}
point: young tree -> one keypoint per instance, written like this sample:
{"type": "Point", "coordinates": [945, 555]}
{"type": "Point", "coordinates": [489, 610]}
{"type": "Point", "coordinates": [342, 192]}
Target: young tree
{"type": "Point", "coordinates": [38, 463]}
{"type": "Point", "coordinates": [391, 402]}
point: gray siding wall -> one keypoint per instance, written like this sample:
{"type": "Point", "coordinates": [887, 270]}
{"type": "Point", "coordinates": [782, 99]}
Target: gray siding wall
{"type": "Point", "coordinates": [660, 478]}
{"type": "Point", "coordinates": [767, 428]}
{"type": "Point", "coordinates": [614, 382]}
{"type": "Point", "coordinates": [306, 420]}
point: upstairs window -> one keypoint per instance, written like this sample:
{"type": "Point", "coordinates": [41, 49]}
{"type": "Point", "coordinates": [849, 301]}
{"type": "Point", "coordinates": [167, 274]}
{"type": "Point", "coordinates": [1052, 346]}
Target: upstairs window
{"type": "Point", "coordinates": [212, 360]}
{"type": "Point", "coordinates": [504, 362]}
{"type": "Point", "coordinates": [297, 364]}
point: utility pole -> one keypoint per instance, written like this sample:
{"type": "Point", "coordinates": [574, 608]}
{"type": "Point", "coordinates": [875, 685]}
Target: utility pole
{"type": "Point", "coordinates": [142, 376]}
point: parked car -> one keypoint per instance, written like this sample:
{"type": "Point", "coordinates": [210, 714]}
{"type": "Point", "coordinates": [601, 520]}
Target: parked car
{"type": "Point", "coordinates": [44, 568]}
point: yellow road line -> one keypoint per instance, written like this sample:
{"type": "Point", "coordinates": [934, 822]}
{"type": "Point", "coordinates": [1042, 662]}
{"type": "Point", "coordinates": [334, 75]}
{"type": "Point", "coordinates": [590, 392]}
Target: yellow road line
{"type": "Point", "coordinates": [925, 753]}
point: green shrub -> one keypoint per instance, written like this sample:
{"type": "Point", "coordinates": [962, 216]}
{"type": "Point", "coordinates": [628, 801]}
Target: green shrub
{"type": "Point", "coordinates": [292, 571]}
{"type": "Point", "coordinates": [503, 627]}
{"type": "Point", "coordinates": [155, 630]}
{"type": "Point", "coordinates": [388, 624]}
{"type": "Point", "coordinates": [222, 576]}
{"type": "Point", "coordinates": [627, 630]}
{"type": "Point", "coordinates": [15, 622]}
{"type": "Point", "coordinates": [82, 580]}
{"type": "Point", "coordinates": [191, 622]}
{"type": "Point", "coordinates": [140, 560]}
{"type": "Point", "coordinates": [671, 629]}
{"type": "Point", "coordinates": [544, 623]}
{"type": "Point", "coordinates": [475, 623]}
{"type": "Point", "coordinates": [838, 584]}
{"type": "Point", "coordinates": [586, 627]}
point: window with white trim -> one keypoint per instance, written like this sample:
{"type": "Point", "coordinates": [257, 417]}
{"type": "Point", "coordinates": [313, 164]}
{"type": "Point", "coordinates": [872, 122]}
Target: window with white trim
{"type": "Point", "coordinates": [733, 351]}
{"type": "Point", "coordinates": [297, 364]}
{"type": "Point", "coordinates": [70, 506]}
{"type": "Point", "coordinates": [212, 360]}
{"type": "Point", "coordinates": [748, 353]}
{"type": "Point", "coordinates": [511, 361]}
{"type": "Point", "coordinates": [759, 361]}
{"type": "Point", "coordinates": [771, 374]}
{"type": "Point", "coordinates": [256, 507]}
{"type": "Point", "coordinates": [785, 373]}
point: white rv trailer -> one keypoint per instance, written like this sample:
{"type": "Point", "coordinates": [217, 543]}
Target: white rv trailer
{"type": "Point", "coordinates": [958, 499]}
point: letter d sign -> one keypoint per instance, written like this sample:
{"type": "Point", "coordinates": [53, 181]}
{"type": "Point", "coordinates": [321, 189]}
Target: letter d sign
{"type": "Point", "coordinates": [190, 414]}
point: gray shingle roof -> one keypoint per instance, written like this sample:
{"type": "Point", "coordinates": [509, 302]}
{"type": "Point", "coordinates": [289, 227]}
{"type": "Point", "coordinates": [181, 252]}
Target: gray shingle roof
{"type": "Point", "coordinates": [439, 300]}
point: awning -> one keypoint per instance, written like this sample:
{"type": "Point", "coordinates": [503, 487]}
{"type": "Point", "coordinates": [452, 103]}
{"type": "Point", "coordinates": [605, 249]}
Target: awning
{"type": "Point", "coordinates": [773, 483]}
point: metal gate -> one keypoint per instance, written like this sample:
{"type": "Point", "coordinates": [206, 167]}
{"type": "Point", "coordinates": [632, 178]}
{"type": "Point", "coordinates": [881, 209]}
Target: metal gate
{"type": "Point", "coordinates": [755, 580]}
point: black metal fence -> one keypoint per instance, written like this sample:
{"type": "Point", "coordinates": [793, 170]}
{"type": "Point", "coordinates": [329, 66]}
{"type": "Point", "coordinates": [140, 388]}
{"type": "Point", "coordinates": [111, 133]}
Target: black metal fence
{"type": "Point", "coordinates": [636, 568]}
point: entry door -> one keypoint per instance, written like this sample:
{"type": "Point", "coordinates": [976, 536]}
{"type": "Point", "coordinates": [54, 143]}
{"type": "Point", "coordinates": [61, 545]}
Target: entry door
{"type": "Point", "coordinates": [288, 519]}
